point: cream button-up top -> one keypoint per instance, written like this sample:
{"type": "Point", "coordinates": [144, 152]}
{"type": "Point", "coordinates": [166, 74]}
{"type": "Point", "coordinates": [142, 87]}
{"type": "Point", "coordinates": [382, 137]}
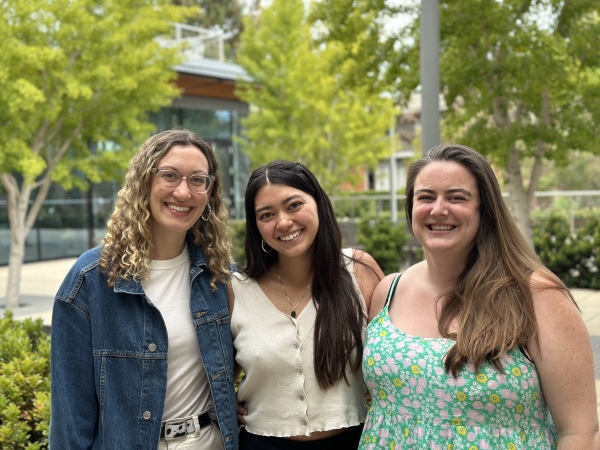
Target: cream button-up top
{"type": "Point", "coordinates": [280, 389]}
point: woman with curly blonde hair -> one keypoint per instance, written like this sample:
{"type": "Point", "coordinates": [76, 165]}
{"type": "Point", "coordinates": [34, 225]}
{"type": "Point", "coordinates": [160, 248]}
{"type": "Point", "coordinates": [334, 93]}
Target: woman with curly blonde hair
{"type": "Point", "coordinates": [141, 343]}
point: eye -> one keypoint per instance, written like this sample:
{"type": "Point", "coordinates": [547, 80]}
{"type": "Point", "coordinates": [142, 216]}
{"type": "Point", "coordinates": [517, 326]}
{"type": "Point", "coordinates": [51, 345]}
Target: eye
{"type": "Point", "coordinates": [265, 215]}
{"type": "Point", "coordinates": [169, 176]}
{"type": "Point", "coordinates": [296, 205]}
{"type": "Point", "coordinates": [457, 198]}
{"type": "Point", "coordinates": [425, 198]}
{"type": "Point", "coordinates": [198, 180]}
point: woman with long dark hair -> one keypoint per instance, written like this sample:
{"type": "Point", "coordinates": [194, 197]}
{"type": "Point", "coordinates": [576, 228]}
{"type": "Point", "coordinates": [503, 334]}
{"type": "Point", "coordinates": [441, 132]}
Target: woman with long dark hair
{"type": "Point", "coordinates": [479, 346]}
{"type": "Point", "coordinates": [298, 317]}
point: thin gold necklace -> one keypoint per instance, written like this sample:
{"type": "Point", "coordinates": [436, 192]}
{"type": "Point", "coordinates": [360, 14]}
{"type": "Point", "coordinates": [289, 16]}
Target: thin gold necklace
{"type": "Point", "coordinates": [293, 314]}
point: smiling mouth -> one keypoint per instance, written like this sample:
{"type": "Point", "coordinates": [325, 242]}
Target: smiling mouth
{"type": "Point", "coordinates": [181, 209]}
{"type": "Point", "coordinates": [289, 237]}
{"type": "Point", "coordinates": [441, 227]}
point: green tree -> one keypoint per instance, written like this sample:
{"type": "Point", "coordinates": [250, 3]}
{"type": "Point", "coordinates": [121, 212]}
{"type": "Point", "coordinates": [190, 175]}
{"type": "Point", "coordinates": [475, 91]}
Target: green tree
{"type": "Point", "coordinates": [226, 14]}
{"type": "Point", "coordinates": [521, 78]}
{"type": "Point", "coordinates": [301, 108]}
{"type": "Point", "coordinates": [74, 73]}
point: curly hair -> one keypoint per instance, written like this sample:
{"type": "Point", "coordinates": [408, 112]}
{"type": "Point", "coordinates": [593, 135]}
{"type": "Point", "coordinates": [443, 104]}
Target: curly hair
{"type": "Point", "coordinates": [127, 246]}
{"type": "Point", "coordinates": [492, 299]}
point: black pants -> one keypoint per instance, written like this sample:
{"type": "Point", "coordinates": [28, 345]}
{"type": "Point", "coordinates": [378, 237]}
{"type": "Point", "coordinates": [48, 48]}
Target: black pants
{"type": "Point", "coordinates": [346, 440]}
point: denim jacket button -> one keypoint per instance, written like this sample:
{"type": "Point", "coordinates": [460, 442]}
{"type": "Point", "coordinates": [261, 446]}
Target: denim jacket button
{"type": "Point", "coordinates": [152, 347]}
{"type": "Point", "coordinates": [146, 415]}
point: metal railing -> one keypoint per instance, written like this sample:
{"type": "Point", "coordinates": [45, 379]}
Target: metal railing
{"type": "Point", "coordinates": [198, 42]}
{"type": "Point", "coordinates": [353, 207]}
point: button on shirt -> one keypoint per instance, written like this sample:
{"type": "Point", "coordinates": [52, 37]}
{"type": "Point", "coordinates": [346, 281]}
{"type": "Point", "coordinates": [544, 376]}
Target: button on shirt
{"type": "Point", "coordinates": [280, 389]}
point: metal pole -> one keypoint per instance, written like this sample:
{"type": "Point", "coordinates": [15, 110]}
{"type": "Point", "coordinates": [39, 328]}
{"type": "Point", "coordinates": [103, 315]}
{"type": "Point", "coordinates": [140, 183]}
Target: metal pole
{"type": "Point", "coordinates": [430, 74]}
{"type": "Point", "coordinates": [393, 197]}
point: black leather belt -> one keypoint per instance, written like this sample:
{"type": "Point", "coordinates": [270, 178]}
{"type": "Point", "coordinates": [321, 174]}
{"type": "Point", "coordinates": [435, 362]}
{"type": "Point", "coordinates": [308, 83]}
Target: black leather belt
{"type": "Point", "coordinates": [180, 428]}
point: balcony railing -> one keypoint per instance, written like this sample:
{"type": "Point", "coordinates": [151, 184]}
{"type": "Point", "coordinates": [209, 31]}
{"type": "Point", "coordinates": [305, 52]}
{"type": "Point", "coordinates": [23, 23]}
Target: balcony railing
{"type": "Point", "coordinates": [198, 42]}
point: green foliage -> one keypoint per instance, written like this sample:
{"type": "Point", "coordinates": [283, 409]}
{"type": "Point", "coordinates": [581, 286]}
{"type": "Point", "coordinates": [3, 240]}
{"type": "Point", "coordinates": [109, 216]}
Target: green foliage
{"type": "Point", "coordinates": [302, 108]}
{"type": "Point", "coordinates": [73, 73]}
{"type": "Point", "coordinates": [574, 258]}
{"type": "Point", "coordinates": [520, 78]}
{"type": "Point", "coordinates": [351, 206]}
{"type": "Point", "coordinates": [24, 384]}
{"type": "Point", "coordinates": [383, 240]}
{"type": "Point", "coordinates": [238, 235]}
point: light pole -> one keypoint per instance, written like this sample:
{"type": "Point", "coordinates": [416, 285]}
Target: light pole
{"type": "Point", "coordinates": [430, 74]}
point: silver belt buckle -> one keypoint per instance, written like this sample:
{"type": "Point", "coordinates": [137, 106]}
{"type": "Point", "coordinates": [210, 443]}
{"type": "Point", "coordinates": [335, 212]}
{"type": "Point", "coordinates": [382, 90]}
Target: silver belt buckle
{"type": "Point", "coordinates": [178, 428]}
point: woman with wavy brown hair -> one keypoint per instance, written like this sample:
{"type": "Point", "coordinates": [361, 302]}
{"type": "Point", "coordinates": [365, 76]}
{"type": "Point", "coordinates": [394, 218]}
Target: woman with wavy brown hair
{"type": "Point", "coordinates": [479, 346]}
{"type": "Point", "coordinates": [141, 343]}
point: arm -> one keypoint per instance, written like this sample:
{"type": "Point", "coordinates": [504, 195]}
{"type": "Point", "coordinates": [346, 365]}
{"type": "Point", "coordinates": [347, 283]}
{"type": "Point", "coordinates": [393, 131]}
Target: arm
{"type": "Point", "coordinates": [237, 369]}
{"type": "Point", "coordinates": [564, 361]}
{"type": "Point", "coordinates": [379, 295]}
{"type": "Point", "coordinates": [74, 405]}
{"type": "Point", "coordinates": [368, 274]}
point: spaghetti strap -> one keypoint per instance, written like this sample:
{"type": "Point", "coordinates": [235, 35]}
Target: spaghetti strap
{"type": "Point", "coordinates": [392, 289]}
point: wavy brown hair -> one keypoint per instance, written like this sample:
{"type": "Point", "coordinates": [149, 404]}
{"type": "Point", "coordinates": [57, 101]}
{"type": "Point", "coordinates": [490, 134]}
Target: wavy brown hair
{"type": "Point", "coordinates": [492, 299]}
{"type": "Point", "coordinates": [127, 246]}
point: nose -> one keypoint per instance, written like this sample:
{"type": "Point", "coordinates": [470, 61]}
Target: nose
{"type": "Point", "coordinates": [284, 221]}
{"type": "Point", "coordinates": [183, 190]}
{"type": "Point", "coordinates": [438, 208]}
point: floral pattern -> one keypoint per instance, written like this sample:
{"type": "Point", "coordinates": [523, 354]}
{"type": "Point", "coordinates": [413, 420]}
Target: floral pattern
{"type": "Point", "coordinates": [417, 405]}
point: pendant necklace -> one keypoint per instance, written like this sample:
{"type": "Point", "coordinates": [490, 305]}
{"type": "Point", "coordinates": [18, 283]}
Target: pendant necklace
{"type": "Point", "coordinates": [293, 314]}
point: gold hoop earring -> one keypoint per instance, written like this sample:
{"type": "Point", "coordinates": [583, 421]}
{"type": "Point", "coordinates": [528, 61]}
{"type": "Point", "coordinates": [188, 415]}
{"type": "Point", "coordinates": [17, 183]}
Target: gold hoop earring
{"type": "Point", "coordinates": [262, 244]}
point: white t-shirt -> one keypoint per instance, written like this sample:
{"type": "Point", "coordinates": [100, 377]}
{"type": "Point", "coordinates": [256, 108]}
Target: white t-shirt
{"type": "Point", "coordinates": [168, 288]}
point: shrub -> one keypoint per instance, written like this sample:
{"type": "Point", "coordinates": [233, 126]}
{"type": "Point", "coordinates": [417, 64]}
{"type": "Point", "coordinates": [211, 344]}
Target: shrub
{"type": "Point", "coordinates": [383, 240]}
{"type": "Point", "coordinates": [572, 257]}
{"type": "Point", "coordinates": [238, 235]}
{"type": "Point", "coordinates": [24, 384]}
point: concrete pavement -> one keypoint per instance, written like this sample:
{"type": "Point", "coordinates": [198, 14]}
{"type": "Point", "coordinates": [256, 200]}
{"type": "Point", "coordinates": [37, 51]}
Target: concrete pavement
{"type": "Point", "coordinates": [40, 282]}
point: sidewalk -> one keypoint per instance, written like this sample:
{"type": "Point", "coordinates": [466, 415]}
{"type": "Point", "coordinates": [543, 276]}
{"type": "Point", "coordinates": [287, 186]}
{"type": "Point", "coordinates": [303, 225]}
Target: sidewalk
{"type": "Point", "coordinates": [40, 282]}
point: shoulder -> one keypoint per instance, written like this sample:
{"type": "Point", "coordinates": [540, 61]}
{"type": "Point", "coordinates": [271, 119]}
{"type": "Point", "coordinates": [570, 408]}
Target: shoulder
{"type": "Point", "coordinates": [366, 265]}
{"type": "Point", "coordinates": [557, 316]}
{"type": "Point", "coordinates": [367, 272]}
{"type": "Point", "coordinates": [75, 279]}
{"type": "Point", "coordinates": [550, 299]}
{"type": "Point", "coordinates": [380, 295]}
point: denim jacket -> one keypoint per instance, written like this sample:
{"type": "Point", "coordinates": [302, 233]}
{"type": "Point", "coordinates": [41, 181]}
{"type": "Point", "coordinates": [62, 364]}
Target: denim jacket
{"type": "Point", "coordinates": [109, 359]}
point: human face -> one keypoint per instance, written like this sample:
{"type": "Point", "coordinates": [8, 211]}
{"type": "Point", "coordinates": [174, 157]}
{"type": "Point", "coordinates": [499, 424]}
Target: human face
{"type": "Point", "coordinates": [175, 212]}
{"type": "Point", "coordinates": [446, 209]}
{"type": "Point", "coordinates": [287, 218]}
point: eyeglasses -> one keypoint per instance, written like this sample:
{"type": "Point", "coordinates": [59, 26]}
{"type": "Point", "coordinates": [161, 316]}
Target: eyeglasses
{"type": "Point", "coordinates": [198, 183]}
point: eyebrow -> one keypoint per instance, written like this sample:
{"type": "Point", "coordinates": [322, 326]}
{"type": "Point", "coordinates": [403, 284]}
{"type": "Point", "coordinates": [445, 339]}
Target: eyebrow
{"type": "Point", "coordinates": [291, 197]}
{"type": "Point", "coordinates": [198, 172]}
{"type": "Point", "coordinates": [449, 191]}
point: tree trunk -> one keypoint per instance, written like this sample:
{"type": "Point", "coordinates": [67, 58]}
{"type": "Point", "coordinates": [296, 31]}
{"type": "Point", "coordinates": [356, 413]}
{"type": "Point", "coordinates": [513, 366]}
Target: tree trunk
{"type": "Point", "coordinates": [518, 201]}
{"type": "Point", "coordinates": [15, 263]}
{"type": "Point", "coordinates": [20, 226]}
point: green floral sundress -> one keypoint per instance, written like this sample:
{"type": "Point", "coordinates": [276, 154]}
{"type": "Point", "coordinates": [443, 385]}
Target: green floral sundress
{"type": "Point", "coordinates": [417, 405]}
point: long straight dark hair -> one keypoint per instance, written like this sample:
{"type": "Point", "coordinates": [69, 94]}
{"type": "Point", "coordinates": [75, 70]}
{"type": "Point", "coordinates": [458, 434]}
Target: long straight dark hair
{"type": "Point", "coordinates": [340, 313]}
